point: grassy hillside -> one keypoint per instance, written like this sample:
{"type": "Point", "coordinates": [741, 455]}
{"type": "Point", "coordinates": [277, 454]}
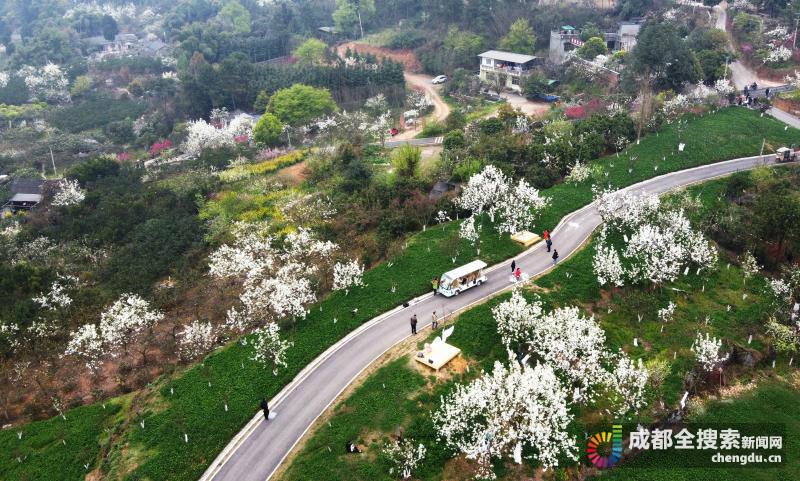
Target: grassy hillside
{"type": "Point", "coordinates": [159, 452]}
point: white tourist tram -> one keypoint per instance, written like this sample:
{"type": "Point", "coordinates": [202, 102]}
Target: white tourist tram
{"type": "Point", "coordinates": [462, 278]}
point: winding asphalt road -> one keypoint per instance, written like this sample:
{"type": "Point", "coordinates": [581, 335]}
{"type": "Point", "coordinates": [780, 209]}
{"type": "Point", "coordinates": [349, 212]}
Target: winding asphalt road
{"type": "Point", "coordinates": [260, 448]}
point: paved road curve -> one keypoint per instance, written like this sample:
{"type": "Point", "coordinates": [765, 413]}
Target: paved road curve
{"type": "Point", "coordinates": [259, 449]}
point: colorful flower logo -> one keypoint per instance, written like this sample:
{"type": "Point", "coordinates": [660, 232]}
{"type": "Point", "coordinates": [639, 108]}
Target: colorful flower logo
{"type": "Point", "coordinates": [615, 438]}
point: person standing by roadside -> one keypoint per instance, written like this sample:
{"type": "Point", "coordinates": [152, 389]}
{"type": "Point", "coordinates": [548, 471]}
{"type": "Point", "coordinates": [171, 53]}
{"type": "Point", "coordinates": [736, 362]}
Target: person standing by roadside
{"type": "Point", "coordinates": [546, 234]}
{"type": "Point", "coordinates": [434, 321]}
{"type": "Point", "coordinates": [555, 256]}
{"type": "Point", "coordinates": [414, 324]}
{"type": "Point", "coordinates": [549, 244]}
{"type": "Point", "coordinates": [265, 407]}
{"type": "Point", "coordinates": [513, 265]}
{"type": "Point", "coordinates": [518, 274]}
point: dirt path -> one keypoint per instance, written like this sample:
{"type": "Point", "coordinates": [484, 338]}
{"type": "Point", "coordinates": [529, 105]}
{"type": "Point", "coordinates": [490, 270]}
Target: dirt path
{"type": "Point", "coordinates": [411, 67]}
{"type": "Point", "coordinates": [527, 107]}
{"type": "Point", "coordinates": [741, 74]}
{"type": "Point", "coordinates": [440, 108]}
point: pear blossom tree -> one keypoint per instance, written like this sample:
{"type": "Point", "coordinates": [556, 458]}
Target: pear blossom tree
{"type": "Point", "coordinates": [268, 347]}
{"type": "Point", "coordinates": [404, 456]}
{"type": "Point", "coordinates": [276, 276]}
{"type": "Point", "coordinates": [574, 346]}
{"type": "Point", "coordinates": [87, 343]}
{"type": "Point", "coordinates": [347, 275]}
{"type": "Point", "coordinates": [128, 318]}
{"type": "Point", "coordinates": [492, 192]}
{"type": "Point", "coordinates": [202, 135]}
{"type": "Point", "coordinates": [706, 351]}
{"type": "Point", "coordinates": [55, 299]}
{"type": "Point", "coordinates": [750, 266]}
{"type": "Point", "coordinates": [68, 192]}
{"type": "Point", "coordinates": [659, 244]}
{"type": "Point", "coordinates": [196, 340]}
{"type": "Point", "coordinates": [468, 231]}
{"type": "Point", "coordinates": [502, 412]}
{"type": "Point", "coordinates": [48, 83]}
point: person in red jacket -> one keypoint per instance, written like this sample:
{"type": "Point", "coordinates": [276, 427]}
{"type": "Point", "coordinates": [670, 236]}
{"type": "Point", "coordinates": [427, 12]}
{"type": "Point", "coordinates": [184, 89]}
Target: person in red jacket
{"type": "Point", "coordinates": [546, 234]}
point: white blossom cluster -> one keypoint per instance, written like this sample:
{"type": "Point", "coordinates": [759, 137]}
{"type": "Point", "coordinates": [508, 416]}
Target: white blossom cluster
{"type": "Point", "coordinates": [404, 456]}
{"type": "Point", "coordinates": [347, 275]}
{"type": "Point", "coordinates": [269, 348]}
{"type": "Point", "coordinates": [706, 351]}
{"type": "Point", "coordinates": [665, 314]}
{"type": "Point", "coordinates": [723, 87]}
{"type": "Point", "coordinates": [676, 105]}
{"type": "Point", "coordinates": [68, 192]}
{"type": "Point", "coordinates": [88, 344]}
{"type": "Point", "coordinates": [794, 79]}
{"type": "Point", "coordinates": [659, 243]}
{"type": "Point", "coordinates": [777, 33]}
{"type": "Point", "coordinates": [276, 278]}
{"type": "Point", "coordinates": [48, 83]}
{"type": "Point", "coordinates": [126, 318]}
{"type": "Point", "coordinates": [56, 298]}
{"type": "Point", "coordinates": [202, 135]}
{"type": "Point", "coordinates": [196, 339]}
{"type": "Point", "coordinates": [743, 5]}
{"type": "Point", "coordinates": [468, 231]}
{"type": "Point", "coordinates": [784, 338]}
{"type": "Point", "coordinates": [574, 346]}
{"type": "Point", "coordinates": [578, 173]}
{"type": "Point", "coordinates": [418, 100]}
{"type": "Point", "coordinates": [492, 192]}
{"type": "Point", "coordinates": [750, 266]}
{"type": "Point", "coordinates": [9, 336]}
{"type": "Point", "coordinates": [503, 411]}
{"type": "Point", "coordinates": [3, 79]}
{"type": "Point", "coordinates": [777, 53]}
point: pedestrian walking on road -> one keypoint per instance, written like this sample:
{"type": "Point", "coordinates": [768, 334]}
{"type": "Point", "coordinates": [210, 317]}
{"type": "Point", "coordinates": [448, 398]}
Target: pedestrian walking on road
{"type": "Point", "coordinates": [745, 92]}
{"type": "Point", "coordinates": [434, 321]}
{"type": "Point", "coordinates": [265, 408]}
{"type": "Point", "coordinates": [518, 274]}
{"type": "Point", "coordinates": [435, 284]}
{"type": "Point", "coordinates": [549, 244]}
{"type": "Point", "coordinates": [513, 266]}
{"type": "Point", "coordinates": [414, 324]}
{"type": "Point", "coordinates": [546, 234]}
{"type": "Point", "coordinates": [766, 92]}
{"type": "Point", "coordinates": [555, 256]}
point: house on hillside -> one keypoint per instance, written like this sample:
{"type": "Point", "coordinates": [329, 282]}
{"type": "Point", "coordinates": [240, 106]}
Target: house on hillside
{"type": "Point", "coordinates": [568, 38]}
{"type": "Point", "coordinates": [26, 193]}
{"type": "Point", "coordinates": [507, 67]}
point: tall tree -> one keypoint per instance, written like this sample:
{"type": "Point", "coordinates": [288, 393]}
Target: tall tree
{"type": "Point", "coordinates": [310, 52]}
{"type": "Point", "coordinates": [352, 13]}
{"type": "Point", "coordinates": [300, 104]}
{"type": "Point", "coordinates": [520, 38]}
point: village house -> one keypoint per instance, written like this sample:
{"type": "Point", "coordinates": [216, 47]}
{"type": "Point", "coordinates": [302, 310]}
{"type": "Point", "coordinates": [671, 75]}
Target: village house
{"type": "Point", "coordinates": [507, 67]}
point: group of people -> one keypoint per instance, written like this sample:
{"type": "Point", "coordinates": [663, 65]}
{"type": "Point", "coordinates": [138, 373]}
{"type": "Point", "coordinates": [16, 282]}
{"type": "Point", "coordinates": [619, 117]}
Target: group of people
{"type": "Point", "coordinates": [517, 272]}
{"type": "Point", "coordinates": [434, 322]}
{"type": "Point", "coordinates": [748, 97]}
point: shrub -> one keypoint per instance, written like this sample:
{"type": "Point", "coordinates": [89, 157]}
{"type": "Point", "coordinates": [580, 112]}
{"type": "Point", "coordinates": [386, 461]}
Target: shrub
{"type": "Point", "coordinates": [433, 128]}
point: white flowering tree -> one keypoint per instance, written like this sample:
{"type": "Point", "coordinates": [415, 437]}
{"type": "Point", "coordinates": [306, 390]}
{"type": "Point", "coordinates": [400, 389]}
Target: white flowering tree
{"type": "Point", "coordinates": [707, 351]}
{"type": "Point", "coordinates": [202, 135]}
{"type": "Point", "coordinates": [56, 298]}
{"type": "Point", "coordinates": [578, 173]}
{"type": "Point", "coordinates": [492, 192]}
{"type": "Point", "coordinates": [48, 83]}
{"type": "Point", "coordinates": [130, 317]}
{"type": "Point", "coordinates": [404, 456]}
{"type": "Point", "coordinates": [276, 275]}
{"type": "Point", "coordinates": [574, 346]}
{"type": "Point", "coordinates": [468, 231]}
{"type": "Point", "coordinates": [665, 314]}
{"type": "Point", "coordinates": [749, 264]}
{"type": "Point", "coordinates": [68, 192]}
{"type": "Point", "coordinates": [627, 381]}
{"type": "Point", "coordinates": [196, 340]}
{"type": "Point", "coordinates": [347, 275]}
{"type": "Point", "coordinates": [657, 244]}
{"type": "Point", "coordinates": [87, 343]}
{"type": "Point", "coordinates": [502, 412]}
{"type": "Point", "coordinates": [268, 347]}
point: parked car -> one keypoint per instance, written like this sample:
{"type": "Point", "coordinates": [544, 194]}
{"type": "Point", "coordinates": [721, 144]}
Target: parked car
{"type": "Point", "coordinates": [439, 80]}
{"type": "Point", "coordinates": [547, 98]}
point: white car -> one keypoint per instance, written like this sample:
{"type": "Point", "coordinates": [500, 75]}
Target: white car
{"type": "Point", "coordinates": [439, 80]}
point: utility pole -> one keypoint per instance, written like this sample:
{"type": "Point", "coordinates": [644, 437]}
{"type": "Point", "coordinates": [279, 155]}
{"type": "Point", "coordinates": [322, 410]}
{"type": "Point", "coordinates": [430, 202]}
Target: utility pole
{"type": "Point", "coordinates": [794, 37]}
